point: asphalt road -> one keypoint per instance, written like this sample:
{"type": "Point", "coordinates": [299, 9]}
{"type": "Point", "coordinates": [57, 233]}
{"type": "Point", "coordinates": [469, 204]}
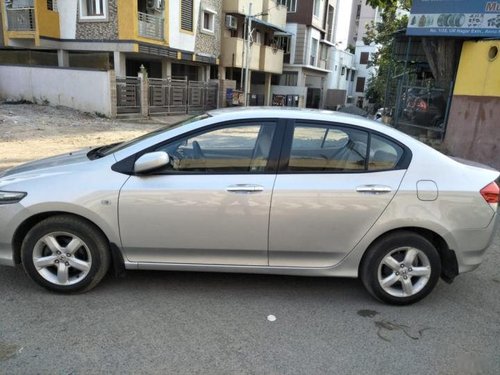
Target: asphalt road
{"type": "Point", "coordinates": [177, 323]}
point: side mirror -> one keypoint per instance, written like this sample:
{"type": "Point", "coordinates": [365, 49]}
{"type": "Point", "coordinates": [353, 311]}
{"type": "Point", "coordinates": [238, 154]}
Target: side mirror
{"type": "Point", "coordinates": [151, 161]}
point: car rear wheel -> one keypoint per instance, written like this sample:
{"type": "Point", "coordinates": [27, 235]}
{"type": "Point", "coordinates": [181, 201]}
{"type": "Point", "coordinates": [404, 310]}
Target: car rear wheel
{"type": "Point", "coordinates": [65, 254]}
{"type": "Point", "coordinates": [401, 268]}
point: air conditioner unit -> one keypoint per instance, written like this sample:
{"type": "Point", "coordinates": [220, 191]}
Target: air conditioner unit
{"type": "Point", "coordinates": [159, 4]}
{"type": "Point", "coordinates": [231, 22]}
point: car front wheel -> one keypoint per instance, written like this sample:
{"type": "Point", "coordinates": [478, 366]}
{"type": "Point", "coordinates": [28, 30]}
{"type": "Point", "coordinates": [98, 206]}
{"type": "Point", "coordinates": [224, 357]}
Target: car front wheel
{"type": "Point", "coordinates": [401, 268]}
{"type": "Point", "coordinates": [65, 254]}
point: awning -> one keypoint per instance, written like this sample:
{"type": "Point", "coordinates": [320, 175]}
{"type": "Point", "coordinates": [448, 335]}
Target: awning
{"type": "Point", "coordinates": [281, 31]}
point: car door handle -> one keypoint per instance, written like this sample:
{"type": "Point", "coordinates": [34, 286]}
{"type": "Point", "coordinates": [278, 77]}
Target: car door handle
{"type": "Point", "coordinates": [244, 188]}
{"type": "Point", "coordinates": [373, 189]}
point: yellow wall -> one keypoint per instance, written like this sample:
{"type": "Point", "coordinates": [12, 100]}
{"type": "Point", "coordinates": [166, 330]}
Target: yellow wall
{"type": "Point", "coordinates": [47, 21]}
{"type": "Point", "coordinates": [46, 24]}
{"type": "Point", "coordinates": [478, 75]}
{"type": "Point", "coordinates": [127, 20]}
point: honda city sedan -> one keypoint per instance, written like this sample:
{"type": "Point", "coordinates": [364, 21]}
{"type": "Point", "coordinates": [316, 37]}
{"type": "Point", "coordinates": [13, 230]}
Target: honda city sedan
{"type": "Point", "coordinates": [275, 191]}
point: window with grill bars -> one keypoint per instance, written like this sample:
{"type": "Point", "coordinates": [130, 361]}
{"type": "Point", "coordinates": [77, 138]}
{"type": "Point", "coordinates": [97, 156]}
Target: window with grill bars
{"type": "Point", "coordinates": [282, 42]}
{"type": "Point", "coordinates": [52, 5]}
{"type": "Point", "coordinates": [208, 21]}
{"type": "Point", "coordinates": [329, 28]}
{"type": "Point", "coordinates": [314, 51]}
{"type": "Point", "coordinates": [288, 79]}
{"type": "Point", "coordinates": [324, 52]}
{"type": "Point", "coordinates": [291, 5]}
{"type": "Point", "coordinates": [187, 15]}
{"type": "Point", "coordinates": [93, 9]}
{"type": "Point", "coordinates": [316, 8]}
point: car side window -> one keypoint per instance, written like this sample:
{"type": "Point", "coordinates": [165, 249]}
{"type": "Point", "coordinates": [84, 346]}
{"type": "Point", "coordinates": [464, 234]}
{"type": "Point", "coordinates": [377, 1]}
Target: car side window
{"type": "Point", "coordinates": [327, 148]}
{"type": "Point", "coordinates": [384, 154]}
{"type": "Point", "coordinates": [229, 149]}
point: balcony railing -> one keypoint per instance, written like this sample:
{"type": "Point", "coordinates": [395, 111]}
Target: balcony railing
{"type": "Point", "coordinates": [21, 19]}
{"type": "Point", "coordinates": [151, 26]}
{"type": "Point", "coordinates": [271, 60]}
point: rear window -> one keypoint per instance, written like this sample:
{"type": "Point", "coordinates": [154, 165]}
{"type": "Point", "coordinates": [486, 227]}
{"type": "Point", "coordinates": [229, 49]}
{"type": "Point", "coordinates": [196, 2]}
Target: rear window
{"type": "Point", "coordinates": [384, 154]}
{"type": "Point", "coordinates": [322, 148]}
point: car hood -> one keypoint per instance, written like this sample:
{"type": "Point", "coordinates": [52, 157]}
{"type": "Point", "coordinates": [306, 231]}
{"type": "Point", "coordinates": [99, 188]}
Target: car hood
{"type": "Point", "coordinates": [75, 157]}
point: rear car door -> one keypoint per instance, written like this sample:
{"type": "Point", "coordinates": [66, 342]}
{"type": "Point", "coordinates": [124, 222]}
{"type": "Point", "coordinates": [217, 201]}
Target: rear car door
{"type": "Point", "coordinates": [211, 205]}
{"type": "Point", "coordinates": [333, 182]}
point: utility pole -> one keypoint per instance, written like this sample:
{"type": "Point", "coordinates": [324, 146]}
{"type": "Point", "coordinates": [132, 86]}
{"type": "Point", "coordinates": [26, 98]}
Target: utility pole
{"type": "Point", "coordinates": [248, 53]}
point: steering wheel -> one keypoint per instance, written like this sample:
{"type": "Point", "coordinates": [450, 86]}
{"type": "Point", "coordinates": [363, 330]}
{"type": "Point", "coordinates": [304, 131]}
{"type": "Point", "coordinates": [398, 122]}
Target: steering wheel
{"type": "Point", "coordinates": [197, 153]}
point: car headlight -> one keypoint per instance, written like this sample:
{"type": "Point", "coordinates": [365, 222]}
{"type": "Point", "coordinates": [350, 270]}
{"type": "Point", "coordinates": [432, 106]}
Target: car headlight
{"type": "Point", "coordinates": [7, 197]}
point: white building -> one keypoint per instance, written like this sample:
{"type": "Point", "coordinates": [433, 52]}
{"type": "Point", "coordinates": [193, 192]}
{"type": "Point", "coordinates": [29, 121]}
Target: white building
{"type": "Point", "coordinates": [315, 63]}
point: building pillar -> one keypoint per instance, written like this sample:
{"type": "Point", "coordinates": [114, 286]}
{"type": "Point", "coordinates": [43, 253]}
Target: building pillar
{"type": "Point", "coordinates": [222, 72]}
{"type": "Point", "coordinates": [248, 88]}
{"type": "Point", "coordinates": [119, 64]}
{"type": "Point", "coordinates": [143, 77]}
{"type": "Point", "coordinates": [207, 72]}
{"type": "Point", "coordinates": [166, 68]}
{"type": "Point", "coordinates": [113, 93]}
{"type": "Point", "coordinates": [201, 73]}
{"type": "Point", "coordinates": [62, 58]}
{"type": "Point", "coordinates": [267, 89]}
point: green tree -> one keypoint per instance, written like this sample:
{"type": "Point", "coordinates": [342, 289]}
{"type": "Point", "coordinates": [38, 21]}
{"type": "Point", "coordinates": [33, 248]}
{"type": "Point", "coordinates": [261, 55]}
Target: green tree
{"type": "Point", "coordinates": [382, 34]}
{"type": "Point", "coordinates": [441, 52]}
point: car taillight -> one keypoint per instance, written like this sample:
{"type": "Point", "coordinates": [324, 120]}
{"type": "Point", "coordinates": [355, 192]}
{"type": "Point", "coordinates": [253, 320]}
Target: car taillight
{"type": "Point", "coordinates": [491, 193]}
{"type": "Point", "coordinates": [421, 105]}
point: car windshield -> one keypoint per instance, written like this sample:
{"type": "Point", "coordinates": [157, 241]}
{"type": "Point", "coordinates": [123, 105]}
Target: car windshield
{"type": "Point", "coordinates": [110, 149]}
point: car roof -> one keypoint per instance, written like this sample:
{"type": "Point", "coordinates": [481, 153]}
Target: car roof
{"type": "Point", "coordinates": [286, 112]}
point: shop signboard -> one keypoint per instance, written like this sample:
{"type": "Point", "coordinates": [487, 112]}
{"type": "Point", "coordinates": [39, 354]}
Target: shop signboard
{"type": "Point", "coordinates": [462, 18]}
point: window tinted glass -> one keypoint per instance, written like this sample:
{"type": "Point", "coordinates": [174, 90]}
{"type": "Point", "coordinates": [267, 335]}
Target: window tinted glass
{"type": "Point", "coordinates": [384, 154]}
{"type": "Point", "coordinates": [327, 148]}
{"type": "Point", "coordinates": [242, 148]}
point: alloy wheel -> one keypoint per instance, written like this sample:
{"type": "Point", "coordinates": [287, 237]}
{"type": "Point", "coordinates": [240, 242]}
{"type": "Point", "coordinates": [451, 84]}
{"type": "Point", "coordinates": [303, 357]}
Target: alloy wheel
{"type": "Point", "coordinates": [62, 258]}
{"type": "Point", "coordinates": [404, 272]}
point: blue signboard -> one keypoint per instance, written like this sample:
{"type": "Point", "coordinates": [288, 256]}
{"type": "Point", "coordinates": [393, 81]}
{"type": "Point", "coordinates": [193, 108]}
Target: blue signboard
{"type": "Point", "coordinates": [465, 18]}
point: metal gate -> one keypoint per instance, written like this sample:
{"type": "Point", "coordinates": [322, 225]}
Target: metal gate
{"type": "Point", "coordinates": [422, 105]}
{"type": "Point", "coordinates": [128, 95]}
{"type": "Point", "coordinates": [202, 96]}
{"type": "Point", "coordinates": [178, 96]}
{"type": "Point", "coordinates": [168, 96]}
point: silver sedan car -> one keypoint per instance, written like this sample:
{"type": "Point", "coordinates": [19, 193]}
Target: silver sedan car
{"type": "Point", "coordinates": [277, 191]}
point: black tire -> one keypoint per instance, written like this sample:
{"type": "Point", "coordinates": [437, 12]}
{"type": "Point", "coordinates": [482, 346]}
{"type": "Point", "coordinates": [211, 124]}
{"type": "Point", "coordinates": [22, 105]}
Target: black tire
{"type": "Point", "coordinates": [94, 252]}
{"type": "Point", "coordinates": [395, 243]}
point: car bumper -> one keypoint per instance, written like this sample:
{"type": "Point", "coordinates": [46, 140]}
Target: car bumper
{"type": "Point", "coordinates": [10, 218]}
{"type": "Point", "coordinates": [473, 244]}
{"type": "Point", "coordinates": [6, 255]}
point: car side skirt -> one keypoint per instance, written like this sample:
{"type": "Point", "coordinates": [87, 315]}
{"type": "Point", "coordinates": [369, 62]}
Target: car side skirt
{"type": "Point", "coordinates": [337, 271]}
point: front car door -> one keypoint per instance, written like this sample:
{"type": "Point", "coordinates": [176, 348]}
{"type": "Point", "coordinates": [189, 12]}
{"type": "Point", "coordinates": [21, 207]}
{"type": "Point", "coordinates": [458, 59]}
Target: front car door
{"type": "Point", "coordinates": [211, 204]}
{"type": "Point", "coordinates": [333, 183]}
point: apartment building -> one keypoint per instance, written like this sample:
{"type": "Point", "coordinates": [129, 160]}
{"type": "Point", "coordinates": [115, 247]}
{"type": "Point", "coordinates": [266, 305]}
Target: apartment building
{"type": "Point", "coordinates": [259, 51]}
{"type": "Point", "coordinates": [176, 43]}
{"type": "Point", "coordinates": [175, 38]}
{"type": "Point", "coordinates": [362, 16]}
{"type": "Point", "coordinates": [305, 70]}
{"type": "Point", "coordinates": [315, 63]}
